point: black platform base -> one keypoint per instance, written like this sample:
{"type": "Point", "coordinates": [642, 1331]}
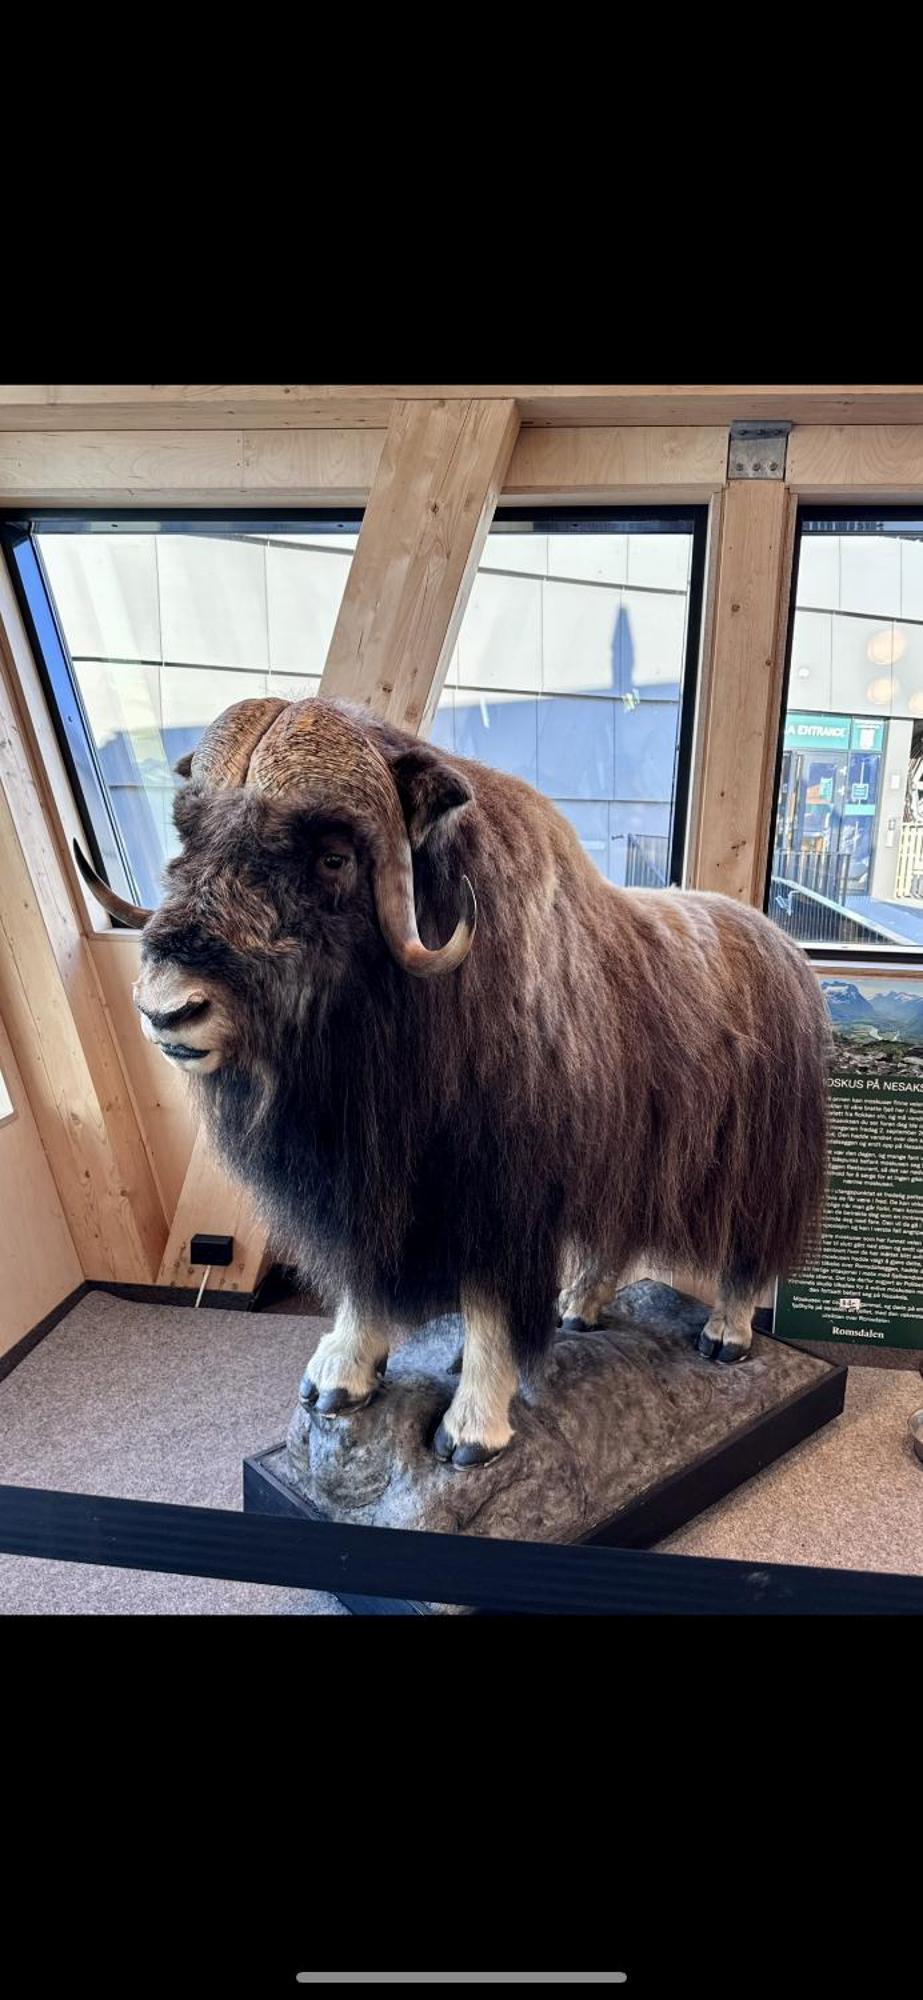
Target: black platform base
{"type": "Point", "coordinates": [763, 1415]}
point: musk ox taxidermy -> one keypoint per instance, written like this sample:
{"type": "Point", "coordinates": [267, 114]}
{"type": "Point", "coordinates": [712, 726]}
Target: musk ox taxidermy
{"type": "Point", "coordinates": [456, 1067]}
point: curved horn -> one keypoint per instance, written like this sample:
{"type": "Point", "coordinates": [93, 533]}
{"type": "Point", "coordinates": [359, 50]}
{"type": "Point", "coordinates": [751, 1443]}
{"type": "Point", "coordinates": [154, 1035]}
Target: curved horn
{"type": "Point", "coordinates": [127, 913]}
{"type": "Point", "coordinates": [315, 751]}
{"type": "Point", "coordinates": [222, 756]}
{"type": "Point", "coordinates": [394, 903]}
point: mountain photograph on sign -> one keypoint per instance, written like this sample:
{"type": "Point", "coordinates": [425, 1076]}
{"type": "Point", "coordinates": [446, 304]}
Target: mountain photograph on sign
{"type": "Point", "coordinates": [877, 1026]}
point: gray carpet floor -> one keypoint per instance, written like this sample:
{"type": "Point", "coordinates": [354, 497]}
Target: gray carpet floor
{"type": "Point", "coordinates": [163, 1403]}
{"type": "Point", "coordinates": [150, 1403]}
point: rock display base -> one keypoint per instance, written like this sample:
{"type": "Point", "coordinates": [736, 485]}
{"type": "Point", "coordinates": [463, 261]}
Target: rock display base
{"type": "Point", "coordinates": [631, 1433]}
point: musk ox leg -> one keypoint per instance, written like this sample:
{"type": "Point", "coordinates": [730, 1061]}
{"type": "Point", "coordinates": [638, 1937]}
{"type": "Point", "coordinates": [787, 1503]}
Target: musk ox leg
{"type": "Point", "coordinates": [728, 1332]}
{"type": "Point", "coordinates": [583, 1301]}
{"type": "Point", "coordinates": [581, 1306]}
{"type": "Point", "coordinates": [476, 1425]}
{"type": "Point", "coordinates": [347, 1364]}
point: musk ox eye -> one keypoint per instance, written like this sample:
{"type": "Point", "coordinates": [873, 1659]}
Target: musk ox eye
{"type": "Point", "coordinates": [333, 861]}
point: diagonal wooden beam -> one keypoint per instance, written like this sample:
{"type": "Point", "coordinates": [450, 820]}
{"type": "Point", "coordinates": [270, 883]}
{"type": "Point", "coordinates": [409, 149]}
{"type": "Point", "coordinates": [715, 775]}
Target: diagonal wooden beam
{"type": "Point", "coordinates": [57, 1020]}
{"type": "Point", "coordinates": [429, 512]}
{"type": "Point", "coordinates": [428, 516]}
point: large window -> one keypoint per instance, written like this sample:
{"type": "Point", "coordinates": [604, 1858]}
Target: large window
{"type": "Point", "coordinates": [147, 631]}
{"type": "Point", "coordinates": [575, 669]}
{"type": "Point", "coordinates": [572, 667]}
{"type": "Point", "coordinates": [847, 852]}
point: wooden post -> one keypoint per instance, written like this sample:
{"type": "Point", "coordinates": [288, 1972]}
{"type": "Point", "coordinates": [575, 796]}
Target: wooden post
{"type": "Point", "coordinates": [730, 845]}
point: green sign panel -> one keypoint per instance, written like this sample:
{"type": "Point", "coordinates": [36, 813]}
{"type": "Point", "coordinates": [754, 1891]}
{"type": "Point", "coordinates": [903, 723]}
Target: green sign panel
{"type": "Point", "coordinates": [817, 732]}
{"type": "Point", "coordinates": [833, 732]}
{"type": "Point", "coordinates": [863, 1279]}
{"type": "Point", "coordinates": [866, 735]}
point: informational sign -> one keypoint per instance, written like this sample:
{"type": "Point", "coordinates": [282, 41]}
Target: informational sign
{"type": "Point", "coordinates": [867, 735]}
{"type": "Point", "coordinates": [863, 1277]}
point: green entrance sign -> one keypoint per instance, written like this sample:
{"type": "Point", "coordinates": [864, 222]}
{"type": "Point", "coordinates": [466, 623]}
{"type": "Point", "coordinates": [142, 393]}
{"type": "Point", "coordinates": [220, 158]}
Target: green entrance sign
{"type": "Point", "coordinates": [817, 732]}
{"type": "Point", "coordinates": [863, 1277]}
{"type": "Point", "coordinates": [833, 732]}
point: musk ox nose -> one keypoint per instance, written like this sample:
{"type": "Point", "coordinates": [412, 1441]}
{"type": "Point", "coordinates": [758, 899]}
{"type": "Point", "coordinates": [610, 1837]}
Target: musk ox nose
{"type": "Point", "coordinates": [176, 1015]}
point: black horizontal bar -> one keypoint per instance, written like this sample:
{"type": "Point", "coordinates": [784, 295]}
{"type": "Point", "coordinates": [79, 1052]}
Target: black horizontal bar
{"type": "Point", "coordinates": [523, 1577]}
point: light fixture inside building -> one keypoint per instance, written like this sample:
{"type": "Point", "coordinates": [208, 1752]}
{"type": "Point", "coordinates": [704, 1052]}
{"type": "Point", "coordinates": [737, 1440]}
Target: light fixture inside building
{"type": "Point", "coordinates": [887, 646]}
{"type": "Point", "coordinates": [915, 702]}
{"type": "Point", "coordinates": [885, 691]}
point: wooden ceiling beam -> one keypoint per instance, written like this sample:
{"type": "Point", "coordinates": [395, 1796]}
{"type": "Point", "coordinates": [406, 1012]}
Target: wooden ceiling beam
{"type": "Point", "coordinates": [220, 406]}
{"type": "Point", "coordinates": [627, 465]}
{"type": "Point", "coordinates": [172, 468]}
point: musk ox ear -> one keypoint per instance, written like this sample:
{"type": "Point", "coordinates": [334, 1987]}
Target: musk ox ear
{"type": "Point", "coordinates": [187, 809]}
{"type": "Point", "coordinates": [183, 765]}
{"type": "Point", "coordinates": [427, 788]}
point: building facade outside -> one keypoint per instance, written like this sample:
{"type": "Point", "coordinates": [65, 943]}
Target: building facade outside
{"type": "Point", "coordinates": [849, 827]}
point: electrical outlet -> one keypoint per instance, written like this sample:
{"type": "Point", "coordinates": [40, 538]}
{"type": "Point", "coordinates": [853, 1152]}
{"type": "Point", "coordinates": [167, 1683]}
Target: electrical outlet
{"type": "Point", "coordinates": [211, 1250]}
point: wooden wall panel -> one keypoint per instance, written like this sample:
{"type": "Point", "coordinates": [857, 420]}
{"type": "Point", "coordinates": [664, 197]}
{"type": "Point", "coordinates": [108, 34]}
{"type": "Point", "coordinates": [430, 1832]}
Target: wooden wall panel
{"type": "Point", "coordinates": [216, 1205]}
{"type": "Point", "coordinates": [39, 1259]}
{"type": "Point", "coordinates": [160, 1093]}
{"type": "Point", "coordinates": [72, 1073]}
{"type": "Point", "coordinates": [57, 1023]}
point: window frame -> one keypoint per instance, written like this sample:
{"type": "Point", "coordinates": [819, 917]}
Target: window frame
{"type": "Point", "coordinates": [6, 1117]}
{"type": "Point", "coordinates": [824, 954]}
{"type": "Point", "coordinates": [104, 840]}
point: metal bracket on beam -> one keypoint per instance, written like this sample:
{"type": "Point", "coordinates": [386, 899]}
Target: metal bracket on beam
{"type": "Point", "coordinates": [757, 451]}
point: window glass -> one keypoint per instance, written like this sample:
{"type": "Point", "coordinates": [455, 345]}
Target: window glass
{"type": "Point", "coordinates": [847, 855]}
{"type": "Point", "coordinates": [166, 629]}
{"type": "Point", "coordinates": [570, 672]}
{"type": "Point", "coordinates": [569, 669]}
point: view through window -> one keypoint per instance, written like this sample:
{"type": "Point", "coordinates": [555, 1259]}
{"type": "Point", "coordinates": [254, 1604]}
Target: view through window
{"type": "Point", "coordinates": [164, 630]}
{"type": "Point", "coordinates": [570, 668]}
{"type": "Point", "coordinates": [847, 857]}
{"type": "Point", "coordinates": [570, 672]}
